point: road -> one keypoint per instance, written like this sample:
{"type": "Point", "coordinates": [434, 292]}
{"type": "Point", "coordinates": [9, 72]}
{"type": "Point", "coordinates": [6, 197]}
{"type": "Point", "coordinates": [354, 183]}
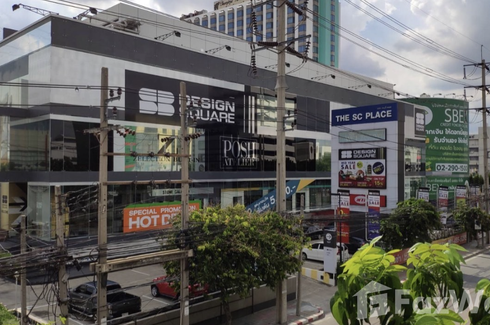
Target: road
{"type": "Point", "coordinates": [476, 268]}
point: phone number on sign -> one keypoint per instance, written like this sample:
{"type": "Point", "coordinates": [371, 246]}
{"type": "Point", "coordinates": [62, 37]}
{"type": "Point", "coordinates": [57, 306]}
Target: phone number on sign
{"type": "Point", "coordinates": [461, 168]}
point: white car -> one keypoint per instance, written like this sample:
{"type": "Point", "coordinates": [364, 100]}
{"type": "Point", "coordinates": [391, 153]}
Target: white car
{"type": "Point", "coordinates": [318, 253]}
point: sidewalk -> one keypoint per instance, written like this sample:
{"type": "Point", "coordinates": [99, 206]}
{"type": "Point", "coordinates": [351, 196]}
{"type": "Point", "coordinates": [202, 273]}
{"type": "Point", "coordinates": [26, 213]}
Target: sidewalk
{"type": "Point", "coordinates": [310, 313]}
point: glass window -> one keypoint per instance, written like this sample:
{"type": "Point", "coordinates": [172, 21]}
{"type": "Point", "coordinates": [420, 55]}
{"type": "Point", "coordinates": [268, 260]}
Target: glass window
{"type": "Point", "coordinates": [301, 48]}
{"type": "Point", "coordinates": [269, 35]}
{"type": "Point", "coordinates": [333, 7]}
{"type": "Point", "coordinates": [231, 25]}
{"type": "Point", "coordinates": [231, 15]}
{"type": "Point", "coordinates": [260, 28]}
{"type": "Point", "coordinates": [222, 18]}
{"type": "Point", "coordinates": [269, 6]}
{"type": "Point", "coordinates": [332, 58]}
{"type": "Point", "coordinates": [258, 38]}
{"type": "Point", "coordinates": [290, 30]}
{"type": "Point", "coordinates": [332, 38]}
{"type": "Point", "coordinates": [258, 9]}
{"type": "Point", "coordinates": [291, 20]}
{"type": "Point", "coordinates": [205, 23]}
{"type": "Point", "coordinates": [332, 48]}
{"type": "Point", "coordinates": [269, 15]}
{"type": "Point", "coordinates": [315, 49]}
{"type": "Point", "coordinates": [239, 32]}
{"type": "Point", "coordinates": [269, 25]}
{"type": "Point", "coordinates": [249, 39]}
{"type": "Point", "coordinates": [315, 28]}
{"type": "Point", "coordinates": [302, 27]}
{"type": "Point", "coordinates": [221, 28]}
{"type": "Point", "coordinates": [259, 18]}
{"type": "Point", "coordinates": [249, 21]}
{"type": "Point", "coordinates": [249, 10]}
{"type": "Point", "coordinates": [213, 20]}
{"type": "Point", "coordinates": [213, 27]}
{"type": "Point", "coordinates": [231, 33]}
{"type": "Point", "coordinates": [239, 13]}
{"type": "Point", "coordinates": [239, 23]}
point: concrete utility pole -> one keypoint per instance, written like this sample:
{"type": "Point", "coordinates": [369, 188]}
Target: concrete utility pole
{"type": "Point", "coordinates": [298, 280]}
{"type": "Point", "coordinates": [60, 243]}
{"type": "Point", "coordinates": [184, 171]}
{"type": "Point", "coordinates": [23, 280]}
{"type": "Point", "coordinates": [281, 86]}
{"type": "Point", "coordinates": [485, 137]}
{"type": "Point", "coordinates": [102, 225]}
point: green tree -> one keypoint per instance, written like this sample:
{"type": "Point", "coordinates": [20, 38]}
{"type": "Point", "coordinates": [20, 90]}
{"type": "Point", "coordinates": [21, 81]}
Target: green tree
{"type": "Point", "coordinates": [467, 217]}
{"type": "Point", "coordinates": [235, 251]}
{"type": "Point", "coordinates": [412, 221]}
{"type": "Point", "coordinates": [476, 179]}
{"type": "Point", "coordinates": [7, 318]}
{"type": "Point", "coordinates": [436, 271]}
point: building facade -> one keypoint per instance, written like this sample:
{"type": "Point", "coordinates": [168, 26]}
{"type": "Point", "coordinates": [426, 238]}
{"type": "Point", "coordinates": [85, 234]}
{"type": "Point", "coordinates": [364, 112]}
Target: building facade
{"type": "Point", "coordinates": [320, 20]}
{"type": "Point", "coordinates": [50, 96]}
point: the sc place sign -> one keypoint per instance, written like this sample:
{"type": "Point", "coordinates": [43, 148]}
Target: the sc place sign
{"type": "Point", "coordinates": [365, 114]}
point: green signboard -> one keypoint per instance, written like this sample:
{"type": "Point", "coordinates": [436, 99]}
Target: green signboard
{"type": "Point", "coordinates": [446, 142]}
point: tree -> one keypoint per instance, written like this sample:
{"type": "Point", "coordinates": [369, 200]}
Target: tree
{"type": "Point", "coordinates": [412, 221]}
{"type": "Point", "coordinates": [6, 317]}
{"type": "Point", "coordinates": [468, 216]}
{"type": "Point", "coordinates": [235, 251]}
{"type": "Point", "coordinates": [476, 179]}
{"type": "Point", "coordinates": [436, 271]}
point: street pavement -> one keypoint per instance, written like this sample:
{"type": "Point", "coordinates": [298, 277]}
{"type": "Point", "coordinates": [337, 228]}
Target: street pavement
{"type": "Point", "coordinates": [315, 307]}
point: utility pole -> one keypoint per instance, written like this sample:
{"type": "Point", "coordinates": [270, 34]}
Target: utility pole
{"type": "Point", "coordinates": [60, 243]}
{"type": "Point", "coordinates": [281, 86]}
{"type": "Point", "coordinates": [485, 137]}
{"type": "Point", "coordinates": [184, 172]}
{"type": "Point", "coordinates": [102, 220]}
{"type": "Point", "coordinates": [23, 280]}
{"type": "Point", "coordinates": [298, 280]}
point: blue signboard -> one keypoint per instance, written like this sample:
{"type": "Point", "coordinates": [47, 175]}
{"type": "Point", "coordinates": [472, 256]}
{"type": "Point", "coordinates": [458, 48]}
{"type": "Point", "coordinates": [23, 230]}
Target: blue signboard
{"type": "Point", "coordinates": [365, 114]}
{"type": "Point", "coordinates": [268, 202]}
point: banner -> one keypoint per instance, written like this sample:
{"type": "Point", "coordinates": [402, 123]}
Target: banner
{"type": "Point", "coordinates": [362, 168]}
{"type": "Point", "coordinates": [423, 194]}
{"type": "Point", "coordinates": [443, 202]}
{"type": "Point", "coordinates": [153, 216]}
{"type": "Point", "coordinates": [460, 195]}
{"type": "Point", "coordinates": [343, 211]}
{"type": "Point", "coordinates": [330, 251]}
{"type": "Point", "coordinates": [268, 202]}
{"type": "Point", "coordinates": [360, 200]}
{"type": "Point", "coordinates": [374, 204]}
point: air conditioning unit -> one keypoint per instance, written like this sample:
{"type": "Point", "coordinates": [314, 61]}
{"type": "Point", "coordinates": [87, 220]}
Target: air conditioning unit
{"type": "Point", "coordinates": [304, 151]}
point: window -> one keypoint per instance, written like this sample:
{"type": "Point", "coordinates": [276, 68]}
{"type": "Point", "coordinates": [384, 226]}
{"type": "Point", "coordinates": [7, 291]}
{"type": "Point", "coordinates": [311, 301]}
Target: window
{"type": "Point", "coordinates": [302, 28]}
{"type": "Point", "coordinates": [290, 30]}
{"type": "Point", "coordinates": [213, 20]}
{"type": "Point", "coordinates": [249, 10]}
{"type": "Point", "coordinates": [260, 27]}
{"type": "Point", "coordinates": [248, 21]}
{"type": "Point", "coordinates": [258, 38]}
{"type": "Point", "coordinates": [333, 7]}
{"type": "Point", "coordinates": [269, 35]}
{"type": "Point", "coordinates": [205, 23]}
{"type": "Point", "coordinates": [332, 48]}
{"type": "Point", "coordinates": [269, 6]}
{"type": "Point", "coordinates": [315, 49]}
{"type": "Point", "coordinates": [213, 27]}
{"type": "Point", "coordinates": [221, 28]}
{"type": "Point", "coordinates": [332, 18]}
{"type": "Point", "coordinates": [239, 13]}
{"type": "Point", "coordinates": [239, 32]}
{"type": "Point", "coordinates": [301, 48]}
{"type": "Point", "coordinates": [259, 18]}
{"type": "Point", "coordinates": [222, 18]}
{"type": "Point", "coordinates": [249, 38]}
{"type": "Point", "coordinates": [315, 28]}
{"type": "Point", "coordinates": [239, 22]}
{"type": "Point", "coordinates": [332, 38]}
{"type": "Point", "coordinates": [269, 15]}
{"type": "Point", "coordinates": [231, 33]}
{"type": "Point", "coordinates": [231, 15]}
{"type": "Point", "coordinates": [231, 25]}
{"type": "Point", "coordinates": [269, 25]}
{"type": "Point", "coordinates": [332, 58]}
{"type": "Point", "coordinates": [315, 8]}
{"type": "Point", "coordinates": [291, 20]}
{"type": "Point", "coordinates": [258, 9]}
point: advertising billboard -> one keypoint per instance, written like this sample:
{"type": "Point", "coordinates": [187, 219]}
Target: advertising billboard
{"type": "Point", "coordinates": [343, 211]}
{"type": "Point", "coordinates": [153, 216]}
{"type": "Point", "coordinates": [447, 132]}
{"type": "Point", "coordinates": [423, 194]}
{"type": "Point", "coordinates": [374, 204]}
{"type": "Point", "coordinates": [460, 195]}
{"type": "Point", "coordinates": [362, 168]}
{"type": "Point", "coordinates": [443, 202]}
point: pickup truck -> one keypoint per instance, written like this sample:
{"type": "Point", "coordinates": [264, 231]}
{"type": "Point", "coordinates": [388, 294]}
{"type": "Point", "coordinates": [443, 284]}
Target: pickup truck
{"type": "Point", "coordinates": [83, 299]}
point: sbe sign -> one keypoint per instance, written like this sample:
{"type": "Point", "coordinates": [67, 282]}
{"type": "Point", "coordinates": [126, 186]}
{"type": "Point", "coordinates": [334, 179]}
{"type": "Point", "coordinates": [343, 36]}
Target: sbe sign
{"type": "Point", "coordinates": [238, 153]}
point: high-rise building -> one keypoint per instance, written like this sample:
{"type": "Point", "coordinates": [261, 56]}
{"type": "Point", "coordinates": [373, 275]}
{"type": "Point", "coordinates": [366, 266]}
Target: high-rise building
{"type": "Point", "coordinates": [320, 20]}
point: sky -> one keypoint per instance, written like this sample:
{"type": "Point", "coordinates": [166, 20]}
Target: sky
{"type": "Point", "coordinates": [416, 40]}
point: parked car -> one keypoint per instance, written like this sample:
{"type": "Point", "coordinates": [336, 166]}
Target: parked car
{"type": "Point", "coordinates": [162, 286]}
{"type": "Point", "coordinates": [83, 299]}
{"type": "Point", "coordinates": [354, 244]}
{"type": "Point", "coordinates": [317, 252]}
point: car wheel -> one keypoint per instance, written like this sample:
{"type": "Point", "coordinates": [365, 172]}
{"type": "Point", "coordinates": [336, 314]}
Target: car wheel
{"type": "Point", "coordinates": [154, 291]}
{"type": "Point", "coordinates": [303, 255]}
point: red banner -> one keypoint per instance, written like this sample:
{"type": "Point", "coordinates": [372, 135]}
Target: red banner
{"type": "Point", "coordinates": [343, 211]}
{"type": "Point", "coordinates": [360, 200]}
